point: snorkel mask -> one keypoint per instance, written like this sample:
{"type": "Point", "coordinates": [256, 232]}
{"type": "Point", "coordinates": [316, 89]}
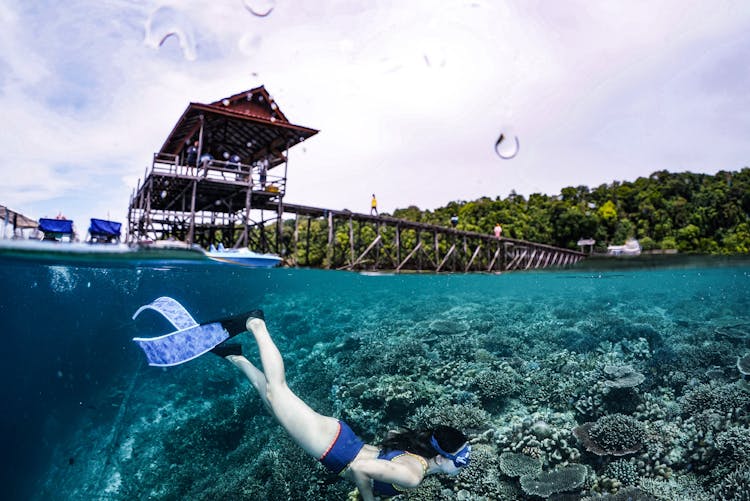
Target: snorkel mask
{"type": "Point", "coordinates": [460, 459]}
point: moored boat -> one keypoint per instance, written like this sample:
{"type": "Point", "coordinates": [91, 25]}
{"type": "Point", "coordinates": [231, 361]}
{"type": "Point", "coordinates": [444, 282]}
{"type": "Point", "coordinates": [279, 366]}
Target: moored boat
{"type": "Point", "coordinates": [243, 256]}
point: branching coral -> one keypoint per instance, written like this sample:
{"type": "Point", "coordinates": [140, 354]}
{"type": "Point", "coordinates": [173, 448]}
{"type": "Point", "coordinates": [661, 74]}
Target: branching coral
{"type": "Point", "coordinates": [734, 444]}
{"type": "Point", "coordinates": [734, 487]}
{"type": "Point", "coordinates": [616, 434]}
{"type": "Point", "coordinates": [722, 397]}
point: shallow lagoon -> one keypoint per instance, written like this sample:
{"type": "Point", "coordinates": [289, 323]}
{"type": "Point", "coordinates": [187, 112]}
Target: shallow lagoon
{"type": "Point", "coordinates": [519, 360]}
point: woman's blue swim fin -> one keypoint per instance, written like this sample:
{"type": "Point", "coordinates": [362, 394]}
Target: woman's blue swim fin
{"type": "Point", "coordinates": [191, 339]}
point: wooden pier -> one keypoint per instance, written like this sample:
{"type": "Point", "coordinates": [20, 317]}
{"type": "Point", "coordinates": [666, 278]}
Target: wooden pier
{"type": "Point", "coordinates": [388, 243]}
{"type": "Point", "coordinates": [221, 177]}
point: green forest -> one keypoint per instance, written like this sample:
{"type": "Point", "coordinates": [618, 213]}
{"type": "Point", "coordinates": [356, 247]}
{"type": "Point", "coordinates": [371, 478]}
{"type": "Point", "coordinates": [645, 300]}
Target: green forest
{"type": "Point", "coordinates": [693, 213]}
{"type": "Point", "coordinates": [686, 212]}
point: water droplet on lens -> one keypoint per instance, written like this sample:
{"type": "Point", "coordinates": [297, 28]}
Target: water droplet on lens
{"type": "Point", "coordinates": [507, 146]}
{"type": "Point", "coordinates": [225, 102]}
{"type": "Point", "coordinates": [167, 22]}
{"type": "Point", "coordinates": [260, 8]}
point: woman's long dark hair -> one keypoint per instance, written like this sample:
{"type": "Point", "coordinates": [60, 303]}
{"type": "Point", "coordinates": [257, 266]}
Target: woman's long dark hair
{"type": "Point", "coordinates": [417, 442]}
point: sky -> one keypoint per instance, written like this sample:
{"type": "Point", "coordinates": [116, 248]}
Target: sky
{"type": "Point", "coordinates": [410, 97]}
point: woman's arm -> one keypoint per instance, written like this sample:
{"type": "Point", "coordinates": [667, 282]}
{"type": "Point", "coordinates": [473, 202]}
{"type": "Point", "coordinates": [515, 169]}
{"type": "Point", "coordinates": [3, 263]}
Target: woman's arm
{"type": "Point", "coordinates": [406, 473]}
{"type": "Point", "coordinates": [363, 485]}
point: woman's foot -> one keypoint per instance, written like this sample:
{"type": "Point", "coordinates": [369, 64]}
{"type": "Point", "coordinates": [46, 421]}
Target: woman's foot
{"type": "Point", "coordinates": [226, 349]}
{"type": "Point", "coordinates": [256, 316]}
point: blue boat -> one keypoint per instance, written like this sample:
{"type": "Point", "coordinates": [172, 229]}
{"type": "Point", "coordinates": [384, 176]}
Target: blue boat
{"type": "Point", "coordinates": [56, 230]}
{"type": "Point", "coordinates": [103, 231]}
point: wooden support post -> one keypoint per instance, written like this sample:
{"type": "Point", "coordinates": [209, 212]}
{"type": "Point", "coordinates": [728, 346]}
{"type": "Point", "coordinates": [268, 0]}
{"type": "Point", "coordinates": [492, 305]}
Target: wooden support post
{"type": "Point", "coordinates": [476, 251]}
{"type": "Point", "coordinates": [351, 239]}
{"type": "Point", "coordinates": [531, 259]}
{"type": "Point", "coordinates": [192, 215]}
{"type": "Point", "coordinates": [245, 238]}
{"type": "Point", "coordinates": [330, 251]}
{"type": "Point", "coordinates": [450, 251]}
{"type": "Point", "coordinates": [398, 244]}
{"type": "Point", "coordinates": [377, 250]}
{"type": "Point", "coordinates": [307, 242]}
{"type": "Point", "coordinates": [546, 261]}
{"type": "Point", "coordinates": [362, 256]}
{"type": "Point", "coordinates": [296, 238]}
{"type": "Point", "coordinates": [518, 259]}
{"type": "Point", "coordinates": [437, 248]}
{"type": "Point", "coordinates": [413, 251]}
{"type": "Point", "coordinates": [494, 258]}
{"type": "Point", "coordinates": [280, 222]}
{"type": "Point", "coordinates": [419, 259]}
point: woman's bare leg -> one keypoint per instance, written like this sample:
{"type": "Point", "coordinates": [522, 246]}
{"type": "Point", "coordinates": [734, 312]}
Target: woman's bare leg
{"type": "Point", "coordinates": [312, 431]}
{"type": "Point", "coordinates": [256, 377]}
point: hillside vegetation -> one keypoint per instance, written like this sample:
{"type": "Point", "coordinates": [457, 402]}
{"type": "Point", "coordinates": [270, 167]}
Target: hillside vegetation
{"type": "Point", "coordinates": [697, 213]}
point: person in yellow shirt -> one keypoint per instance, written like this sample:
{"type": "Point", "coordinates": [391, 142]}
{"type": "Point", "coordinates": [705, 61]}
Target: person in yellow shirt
{"type": "Point", "coordinates": [374, 205]}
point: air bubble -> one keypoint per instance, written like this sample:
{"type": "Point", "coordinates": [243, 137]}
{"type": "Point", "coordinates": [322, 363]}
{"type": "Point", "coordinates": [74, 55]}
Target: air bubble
{"type": "Point", "coordinates": [507, 146]}
{"type": "Point", "coordinates": [260, 8]}
{"type": "Point", "coordinates": [164, 194]}
{"type": "Point", "coordinates": [167, 22]}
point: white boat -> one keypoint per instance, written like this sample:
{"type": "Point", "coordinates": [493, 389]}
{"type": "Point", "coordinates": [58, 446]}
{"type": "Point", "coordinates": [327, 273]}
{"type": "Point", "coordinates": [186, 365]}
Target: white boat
{"type": "Point", "coordinates": [631, 248]}
{"type": "Point", "coordinates": [243, 256]}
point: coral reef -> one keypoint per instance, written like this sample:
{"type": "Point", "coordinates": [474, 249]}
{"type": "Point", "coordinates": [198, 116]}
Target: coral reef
{"type": "Point", "coordinates": [651, 387]}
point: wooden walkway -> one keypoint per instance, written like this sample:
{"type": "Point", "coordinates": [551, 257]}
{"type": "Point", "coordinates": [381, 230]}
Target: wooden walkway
{"type": "Point", "coordinates": [388, 243]}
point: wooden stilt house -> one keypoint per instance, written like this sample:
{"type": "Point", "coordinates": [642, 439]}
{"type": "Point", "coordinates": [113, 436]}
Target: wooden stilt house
{"type": "Point", "coordinates": [215, 177]}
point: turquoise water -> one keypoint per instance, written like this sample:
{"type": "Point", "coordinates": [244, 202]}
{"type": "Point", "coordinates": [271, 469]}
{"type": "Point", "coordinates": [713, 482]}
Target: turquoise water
{"type": "Point", "coordinates": [518, 360]}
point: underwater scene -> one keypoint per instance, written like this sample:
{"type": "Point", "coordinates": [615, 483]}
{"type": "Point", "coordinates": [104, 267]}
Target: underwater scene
{"type": "Point", "coordinates": [592, 382]}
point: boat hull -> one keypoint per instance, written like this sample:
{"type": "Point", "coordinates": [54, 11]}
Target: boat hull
{"type": "Point", "coordinates": [245, 257]}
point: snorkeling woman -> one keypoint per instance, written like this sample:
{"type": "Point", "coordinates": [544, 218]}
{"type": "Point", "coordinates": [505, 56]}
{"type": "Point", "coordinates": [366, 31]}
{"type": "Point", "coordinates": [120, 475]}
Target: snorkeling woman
{"type": "Point", "coordinates": [405, 457]}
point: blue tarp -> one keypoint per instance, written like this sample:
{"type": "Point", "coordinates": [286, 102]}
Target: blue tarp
{"type": "Point", "coordinates": [104, 227]}
{"type": "Point", "coordinates": [56, 225]}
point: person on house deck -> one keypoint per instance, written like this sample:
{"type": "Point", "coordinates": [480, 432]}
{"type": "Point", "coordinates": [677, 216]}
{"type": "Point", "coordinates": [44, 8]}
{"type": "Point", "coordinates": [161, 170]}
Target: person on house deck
{"type": "Point", "coordinates": [191, 157]}
{"type": "Point", "coordinates": [402, 461]}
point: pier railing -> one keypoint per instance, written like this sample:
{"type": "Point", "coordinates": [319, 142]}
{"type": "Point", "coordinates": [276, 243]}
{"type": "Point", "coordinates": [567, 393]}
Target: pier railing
{"type": "Point", "coordinates": [236, 173]}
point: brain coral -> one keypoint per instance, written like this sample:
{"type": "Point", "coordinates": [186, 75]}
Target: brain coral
{"type": "Point", "coordinates": [563, 479]}
{"type": "Point", "coordinates": [616, 434]}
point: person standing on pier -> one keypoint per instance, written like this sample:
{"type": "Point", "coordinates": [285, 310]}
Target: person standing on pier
{"type": "Point", "coordinates": [374, 205]}
{"type": "Point", "coordinates": [498, 230]}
